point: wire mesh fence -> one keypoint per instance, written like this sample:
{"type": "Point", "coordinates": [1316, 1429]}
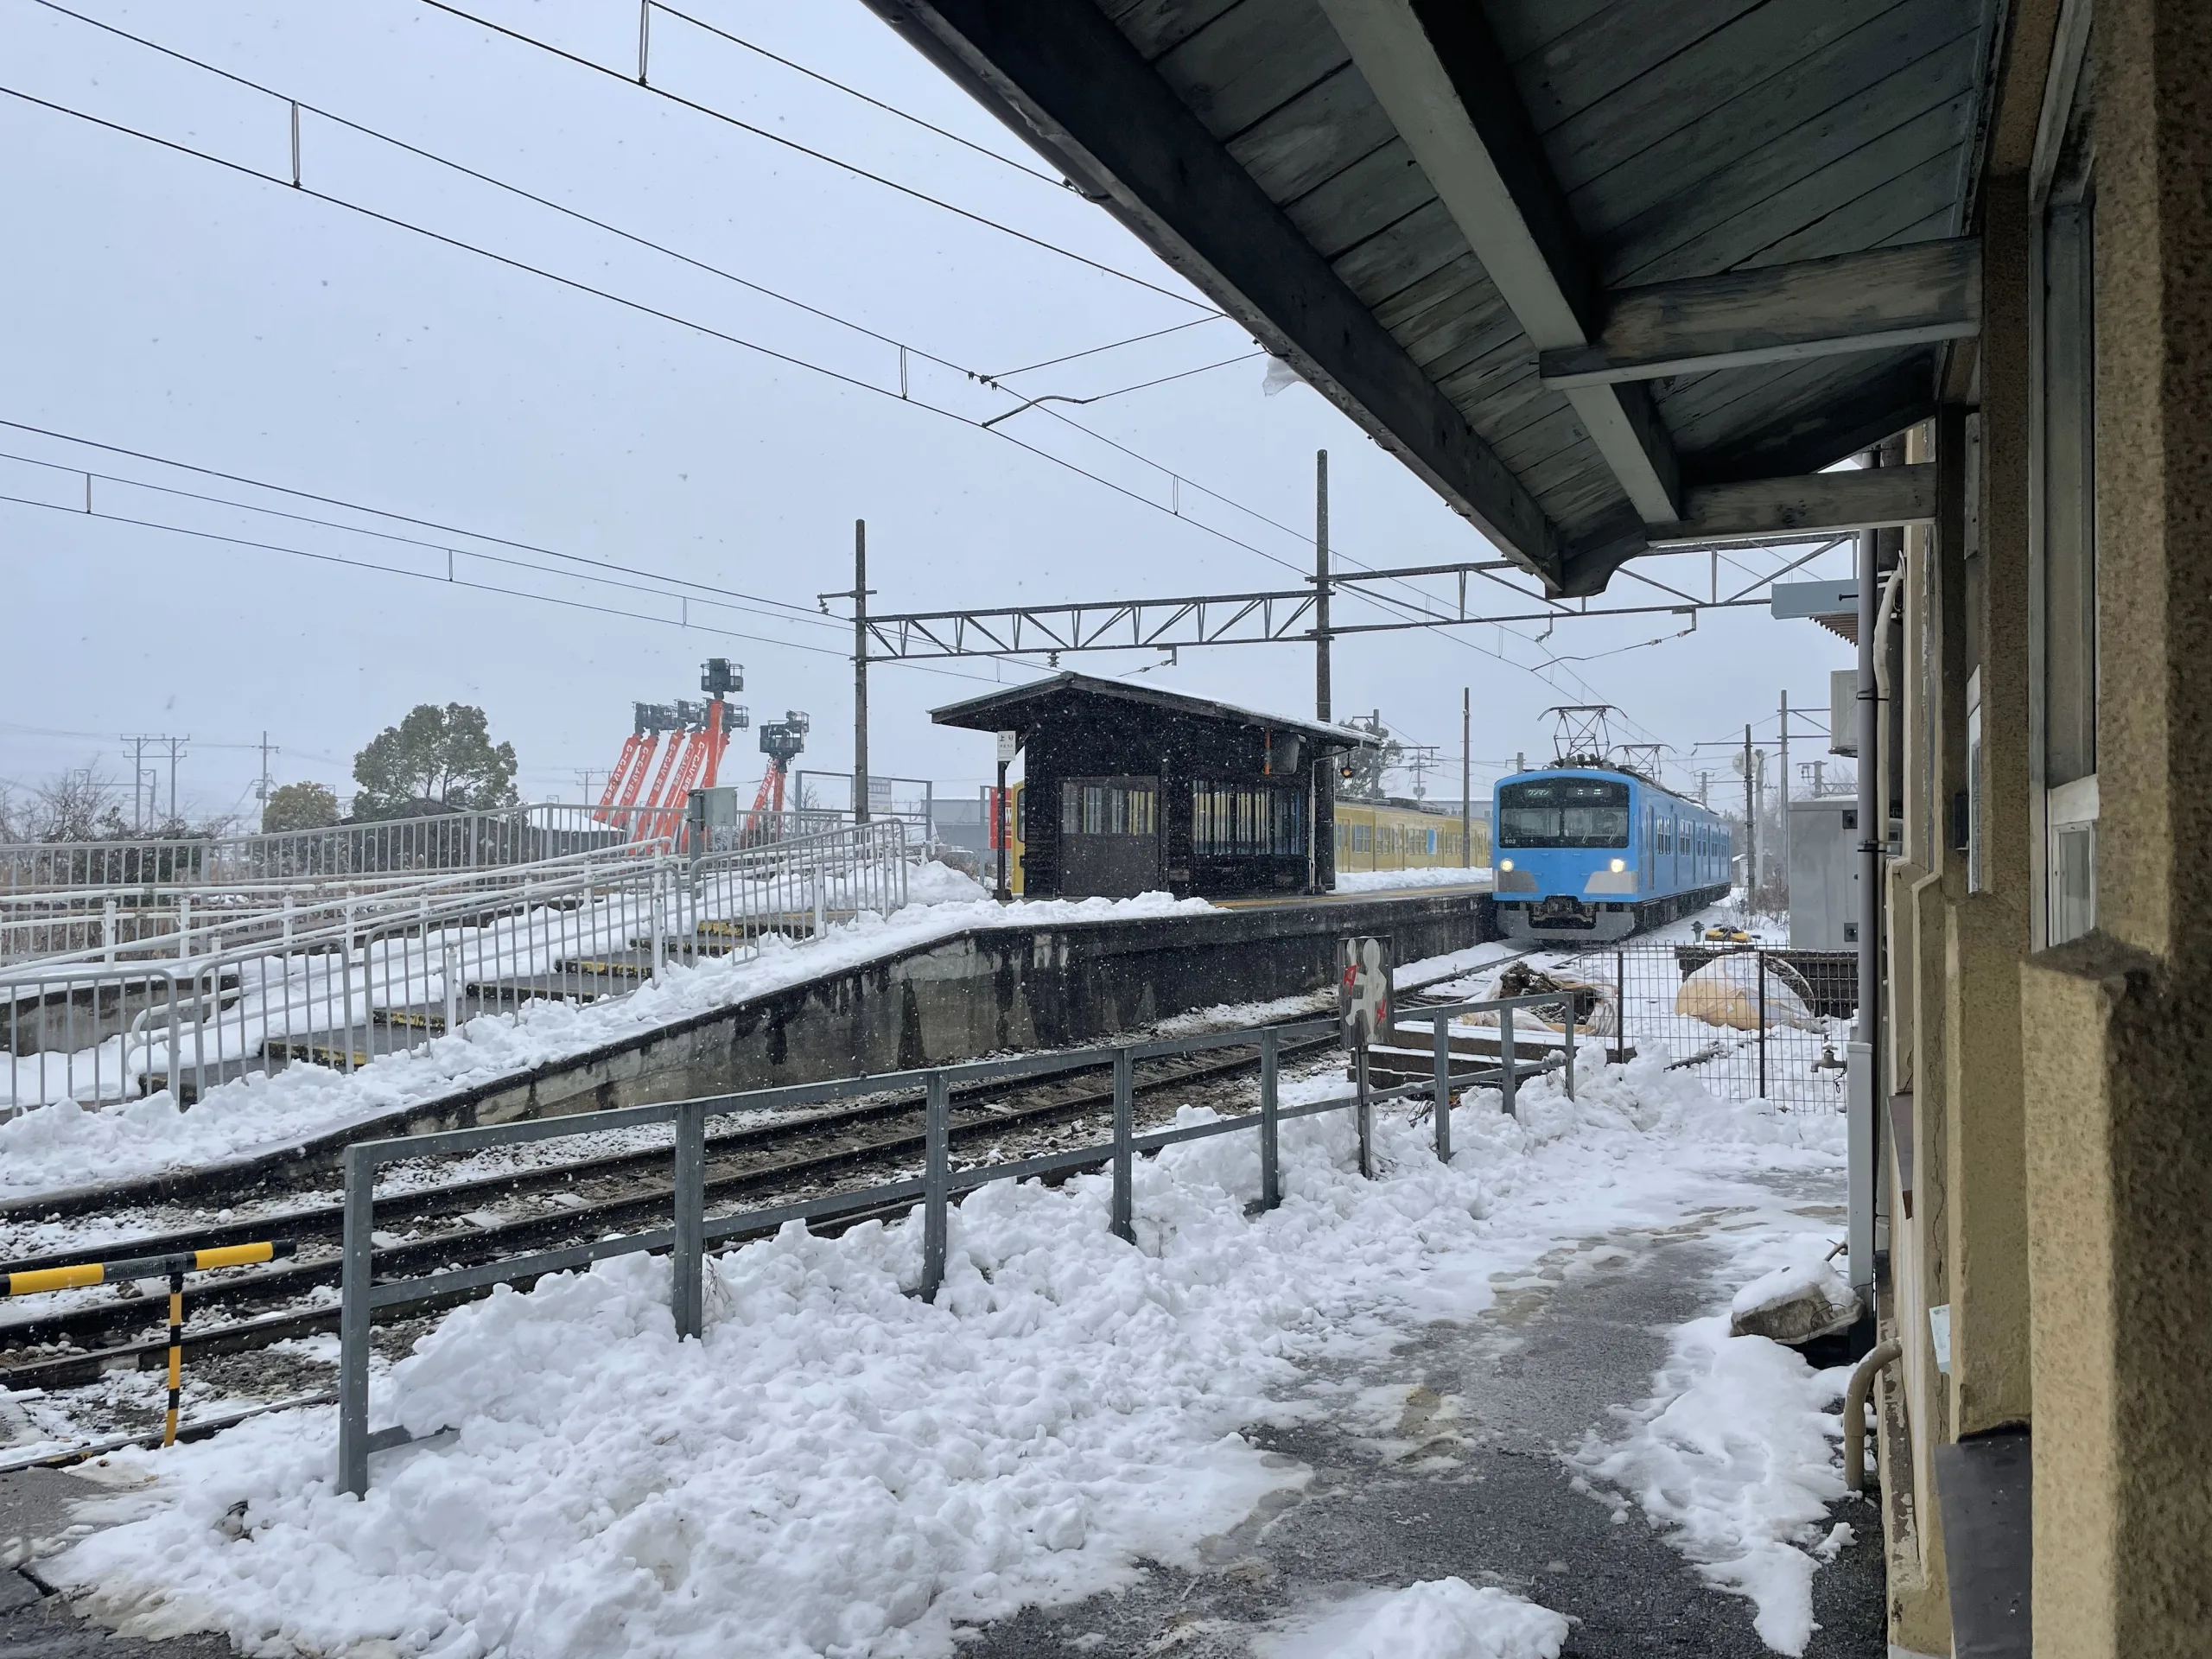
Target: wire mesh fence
{"type": "Point", "coordinates": [1746, 1021]}
{"type": "Point", "coordinates": [388, 976]}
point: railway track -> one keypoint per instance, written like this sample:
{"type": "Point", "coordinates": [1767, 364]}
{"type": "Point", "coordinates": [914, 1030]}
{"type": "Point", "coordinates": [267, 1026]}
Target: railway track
{"type": "Point", "coordinates": [488, 1216]}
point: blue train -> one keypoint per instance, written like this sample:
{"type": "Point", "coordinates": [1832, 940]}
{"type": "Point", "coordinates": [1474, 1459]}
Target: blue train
{"type": "Point", "coordinates": [1584, 852]}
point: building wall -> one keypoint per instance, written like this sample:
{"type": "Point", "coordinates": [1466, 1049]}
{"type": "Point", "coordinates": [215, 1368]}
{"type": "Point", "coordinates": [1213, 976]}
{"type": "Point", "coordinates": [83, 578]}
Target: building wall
{"type": "Point", "coordinates": [2061, 1201]}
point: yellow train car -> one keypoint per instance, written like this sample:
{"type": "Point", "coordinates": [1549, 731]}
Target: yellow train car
{"type": "Point", "coordinates": [1384, 837]}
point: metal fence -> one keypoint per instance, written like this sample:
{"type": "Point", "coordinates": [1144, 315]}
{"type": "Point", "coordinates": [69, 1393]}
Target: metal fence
{"type": "Point", "coordinates": [387, 977]}
{"type": "Point", "coordinates": [692, 1232]}
{"type": "Point", "coordinates": [440, 841]}
{"type": "Point", "coordinates": [1746, 1021]}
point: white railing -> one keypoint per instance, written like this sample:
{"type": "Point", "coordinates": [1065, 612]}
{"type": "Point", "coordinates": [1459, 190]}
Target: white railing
{"type": "Point", "coordinates": [387, 980]}
{"type": "Point", "coordinates": [441, 843]}
{"type": "Point", "coordinates": [143, 923]}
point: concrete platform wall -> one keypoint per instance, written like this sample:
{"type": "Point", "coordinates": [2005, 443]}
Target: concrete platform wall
{"type": "Point", "coordinates": [955, 1000]}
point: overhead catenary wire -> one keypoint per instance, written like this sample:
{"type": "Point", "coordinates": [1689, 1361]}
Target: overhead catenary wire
{"type": "Point", "coordinates": [666, 592]}
{"type": "Point", "coordinates": [1053, 178]}
{"type": "Point", "coordinates": [456, 581]}
{"type": "Point", "coordinates": [853, 167]}
{"type": "Point", "coordinates": [1421, 609]}
{"type": "Point", "coordinates": [1400, 606]}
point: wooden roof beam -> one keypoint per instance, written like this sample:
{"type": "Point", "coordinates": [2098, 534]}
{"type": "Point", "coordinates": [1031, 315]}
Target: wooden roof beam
{"type": "Point", "coordinates": [1818, 504]}
{"type": "Point", "coordinates": [1071, 85]}
{"type": "Point", "coordinates": [1440, 76]}
{"type": "Point", "coordinates": [1869, 302]}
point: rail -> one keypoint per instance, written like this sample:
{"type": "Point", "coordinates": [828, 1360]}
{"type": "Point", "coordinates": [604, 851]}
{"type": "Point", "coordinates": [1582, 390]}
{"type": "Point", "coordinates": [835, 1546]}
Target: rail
{"type": "Point", "coordinates": [692, 1233]}
{"type": "Point", "coordinates": [375, 979]}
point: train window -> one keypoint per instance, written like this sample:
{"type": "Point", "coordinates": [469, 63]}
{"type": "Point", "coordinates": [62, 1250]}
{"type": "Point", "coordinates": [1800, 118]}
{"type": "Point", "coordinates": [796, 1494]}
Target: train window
{"type": "Point", "coordinates": [1563, 812]}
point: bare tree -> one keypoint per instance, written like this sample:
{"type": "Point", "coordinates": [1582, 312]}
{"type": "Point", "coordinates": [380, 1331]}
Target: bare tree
{"type": "Point", "coordinates": [79, 804]}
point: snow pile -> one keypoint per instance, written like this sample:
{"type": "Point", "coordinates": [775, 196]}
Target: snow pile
{"type": "Point", "coordinates": [935, 883]}
{"type": "Point", "coordinates": [1438, 1619]}
{"type": "Point", "coordinates": [64, 1145]}
{"type": "Point", "coordinates": [839, 1468]}
{"type": "Point", "coordinates": [1426, 876]}
{"type": "Point", "coordinates": [1734, 1458]}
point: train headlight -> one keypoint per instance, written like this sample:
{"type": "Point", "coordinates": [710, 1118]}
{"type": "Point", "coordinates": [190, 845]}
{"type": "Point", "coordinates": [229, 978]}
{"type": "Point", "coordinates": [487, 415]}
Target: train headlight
{"type": "Point", "coordinates": [1505, 864]}
{"type": "Point", "coordinates": [1619, 866]}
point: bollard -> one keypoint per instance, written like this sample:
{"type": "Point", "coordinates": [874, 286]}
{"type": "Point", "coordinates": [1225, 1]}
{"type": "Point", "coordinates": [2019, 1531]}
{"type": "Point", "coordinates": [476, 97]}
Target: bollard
{"type": "Point", "coordinates": [355, 1278]}
{"type": "Point", "coordinates": [937, 1176]}
{"type": "Point", "coordinates": [449, 974]}
{"type": "Point", "coordinates": [1125, 1129]}
{"type": "Point", "coordinates": [1270, 1090]}
{"type": "Point", "coordinates": [1758, 966]}
{"type": "Point", "coordinates": [1570, 1046]}
{"type": "Point", "coordinates": [1442, 1029]}
{"type": "Point", "coordinates": [1508, 1084]}
{"type": "Point", "coordinates": [688, 1291]}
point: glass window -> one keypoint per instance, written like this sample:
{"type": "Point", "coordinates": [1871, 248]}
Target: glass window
{"type": "Point", "coordinates": [1563, 812]}
{"type": "Point", "coordinates": [1101, 809]}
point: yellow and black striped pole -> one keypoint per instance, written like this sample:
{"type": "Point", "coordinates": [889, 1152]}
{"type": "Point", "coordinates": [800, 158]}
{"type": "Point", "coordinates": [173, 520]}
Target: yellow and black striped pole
{"type": "Point", "coordinates": [176, 1355]}
{"type": "Point", "coordinates": [173, 1267]}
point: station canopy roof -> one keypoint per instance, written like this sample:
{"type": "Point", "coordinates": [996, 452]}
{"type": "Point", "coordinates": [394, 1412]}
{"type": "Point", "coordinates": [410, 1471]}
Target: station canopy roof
{"type": "Point", "coordinates": [1610, 276]}
{"type": "Point", "coordinates": [1062, 697]}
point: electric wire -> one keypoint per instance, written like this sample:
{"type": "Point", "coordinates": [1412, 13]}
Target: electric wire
{"type": "Point", "coordinates": [810, 618]}
{"type": "Point", "coordinates": [459, 582]}
{"type": "Point", "coordinates": [1116, 345]}
{"type": "Point", "coordinates": [852, 167]}
{"type": "Point", "coordinates": [1401, 606]}
{"type": "Point", "coordinates": [1053, 178]}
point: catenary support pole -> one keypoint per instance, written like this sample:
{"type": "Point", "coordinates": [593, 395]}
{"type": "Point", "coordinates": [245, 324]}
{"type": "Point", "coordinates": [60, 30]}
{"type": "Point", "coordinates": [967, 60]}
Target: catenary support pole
{"type": "Point", "coordinates": [859, 670]}
{"type": "Point", "coordinates": [1322, 876]}
{"type": "Point", "coordinates": [1466, 779]}
{"type": "Point", "coordinates": [1750, 823]}
{"type": "Point", "coordinates": [1782, 796]}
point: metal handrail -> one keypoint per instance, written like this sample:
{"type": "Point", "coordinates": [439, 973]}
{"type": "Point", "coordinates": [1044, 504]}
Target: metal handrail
{"type": "Point", "coordinates": [690, 1231]}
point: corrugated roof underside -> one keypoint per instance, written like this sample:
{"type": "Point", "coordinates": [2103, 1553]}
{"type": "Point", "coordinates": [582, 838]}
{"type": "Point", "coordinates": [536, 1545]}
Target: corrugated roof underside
{"type": "Point", "coordinates": [1271, 79]}
{"type": "Point", "coordinates": [1690, 136]}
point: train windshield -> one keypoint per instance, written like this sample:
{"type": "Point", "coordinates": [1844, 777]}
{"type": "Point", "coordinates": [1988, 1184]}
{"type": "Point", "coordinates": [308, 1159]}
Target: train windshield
{"type": "Point", "coordinates": [1563, 812]}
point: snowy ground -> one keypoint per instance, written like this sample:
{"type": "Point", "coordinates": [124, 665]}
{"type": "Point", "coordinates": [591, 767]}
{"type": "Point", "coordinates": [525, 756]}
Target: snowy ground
{"type": "Point", "coordinates": [839, 1468]}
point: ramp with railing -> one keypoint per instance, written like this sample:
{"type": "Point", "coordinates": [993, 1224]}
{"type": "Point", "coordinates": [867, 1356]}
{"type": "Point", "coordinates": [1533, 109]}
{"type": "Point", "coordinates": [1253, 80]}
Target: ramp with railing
{"type": "Point", "coordinates": [339, 977]}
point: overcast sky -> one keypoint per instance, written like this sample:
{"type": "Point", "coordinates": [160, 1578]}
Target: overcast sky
{"type": "Point", "coordinates": [192, 312]}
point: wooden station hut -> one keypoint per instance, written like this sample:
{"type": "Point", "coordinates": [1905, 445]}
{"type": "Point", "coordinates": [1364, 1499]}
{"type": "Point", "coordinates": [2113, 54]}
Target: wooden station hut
{"type": "Point", "coordinates": [1131, 789]}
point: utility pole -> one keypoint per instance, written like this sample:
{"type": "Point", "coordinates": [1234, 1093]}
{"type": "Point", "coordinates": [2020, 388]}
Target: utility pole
{"type": "Point", "coordinates": [859, 670]}
{"type": "Point", "coordinates": [1704, 779]}
{"type": "Point", "coordinates": [1782, 798]}
{"type": "Point", "coordinates": [138, 781]}
{"type": "Point", "coordinates": [176, 747]}
{"type": "Point", "coordinates": [261, 790]}
{"type": "Point", "coordinates": [1750, 823]}
{"type": "Point", "coordinates": [1321, 851]}
{"type": "Point", "coordinates": [1466, 779]}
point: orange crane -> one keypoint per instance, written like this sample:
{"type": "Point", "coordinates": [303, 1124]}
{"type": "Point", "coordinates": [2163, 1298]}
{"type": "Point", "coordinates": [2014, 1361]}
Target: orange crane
{"type": "Point", "coordinates": [781, 741]}
{"type": "Point", "coordinates": [646, 799]}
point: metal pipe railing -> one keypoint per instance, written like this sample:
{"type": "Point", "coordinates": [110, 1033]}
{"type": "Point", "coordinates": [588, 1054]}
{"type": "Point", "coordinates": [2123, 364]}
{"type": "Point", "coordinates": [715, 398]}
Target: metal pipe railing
{"type": "Point", "coordinates": [691, 1233]}
{"type": "Point", "coordinates": [383, 975]}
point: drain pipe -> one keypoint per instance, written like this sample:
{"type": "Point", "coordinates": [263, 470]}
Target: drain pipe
{"type": "Point", "coordinates": [1865, 1049]}
{"type": "Point", "coordinates": [1854, 1412]}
